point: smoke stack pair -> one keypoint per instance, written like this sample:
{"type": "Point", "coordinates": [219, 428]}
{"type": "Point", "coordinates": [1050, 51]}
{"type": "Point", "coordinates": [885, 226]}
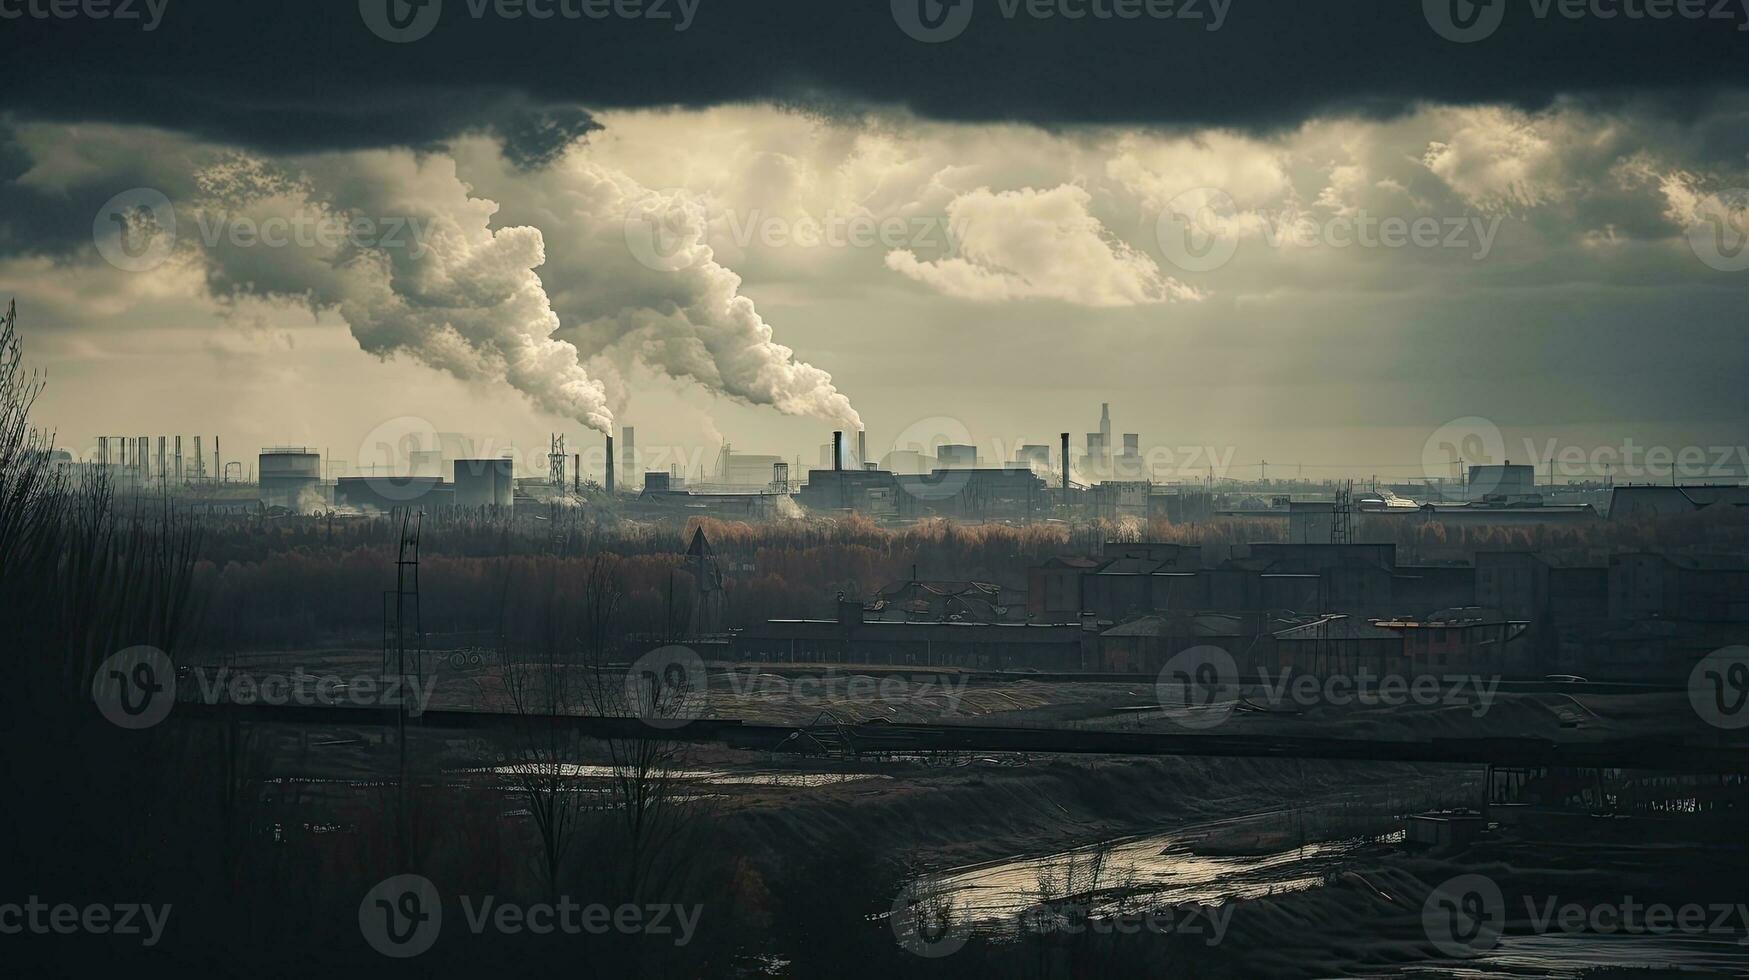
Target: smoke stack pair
{"type": "Point", "coordinates": [610, 464]}
{"type": "Point", "coordinates": [837, 451]}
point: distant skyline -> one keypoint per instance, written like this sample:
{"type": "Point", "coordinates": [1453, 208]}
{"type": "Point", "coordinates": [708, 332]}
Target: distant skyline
{"type": "Point", "coordinates": [1332, 274]}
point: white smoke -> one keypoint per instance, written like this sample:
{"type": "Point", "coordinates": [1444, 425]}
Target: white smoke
{"type": "Point", "coordinates": [408, 257]}
{"type": "Point", "coordinates": [638, 278]}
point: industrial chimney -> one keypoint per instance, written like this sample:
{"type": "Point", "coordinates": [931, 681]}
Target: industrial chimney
{"type": "Point", "coordinates": [862, 449]}
{"type": "Point", "coordinates": [610, 465]}
{"type": "Point", "coordinates": [837, 450]}
{"type": "Point", "coordinates": [1065, 467]}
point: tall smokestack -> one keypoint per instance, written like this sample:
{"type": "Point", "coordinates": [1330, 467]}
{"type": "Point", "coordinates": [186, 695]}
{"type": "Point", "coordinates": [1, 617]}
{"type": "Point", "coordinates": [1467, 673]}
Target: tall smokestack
{"type": "Point", "coordinates": [862, 448]}
{"type": "Point", "coordinates": [1065, 467]}
{"type": "Point", "coordinates": [218, 465]}
{"type": "Point", "coordinates": [610, 465]}
{"type": "Point", "coordinates": [837, 450]}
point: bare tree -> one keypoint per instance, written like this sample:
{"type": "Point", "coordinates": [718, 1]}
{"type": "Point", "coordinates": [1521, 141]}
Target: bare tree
{"type": "Point", "coordinates": [543, 743]}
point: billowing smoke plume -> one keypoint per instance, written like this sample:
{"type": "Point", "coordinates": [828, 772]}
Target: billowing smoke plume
{"type": "Point", "coordinates": [398, 246]}
{"type": "Point", "coordinates": [635, 276]}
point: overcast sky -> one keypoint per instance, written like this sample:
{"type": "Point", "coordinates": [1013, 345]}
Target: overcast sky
{"type": "Point", "coordinates": [1337, 235]}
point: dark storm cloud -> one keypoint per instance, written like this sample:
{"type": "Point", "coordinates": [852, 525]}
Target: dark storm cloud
{"type": "Point", "coordinates": [534, 138]}
{"type": "Point", "coordinates": [297, 74]}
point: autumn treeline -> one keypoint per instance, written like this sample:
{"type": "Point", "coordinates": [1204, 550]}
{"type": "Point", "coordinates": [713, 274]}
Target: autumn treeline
{"type": "Point", "coordinates": [320, 581]}
{"type": "Point", "coordinates": [282, 584]}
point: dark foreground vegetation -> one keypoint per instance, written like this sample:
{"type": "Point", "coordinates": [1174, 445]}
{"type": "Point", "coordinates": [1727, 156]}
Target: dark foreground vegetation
{"type": "Point", "coordinates": [258, 873]}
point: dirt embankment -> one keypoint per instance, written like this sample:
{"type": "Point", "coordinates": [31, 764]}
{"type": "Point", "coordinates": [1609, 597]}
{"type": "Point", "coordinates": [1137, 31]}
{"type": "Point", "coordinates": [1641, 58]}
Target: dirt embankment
{"type": "Point", "coordinates": [987, 809]}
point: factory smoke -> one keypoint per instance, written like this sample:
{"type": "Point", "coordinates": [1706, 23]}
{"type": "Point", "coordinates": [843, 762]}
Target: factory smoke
{"type": "Point", "coordinates": [408, 258]}
{"type": "Point", "coordinates": [626, 273]}
{"type": "Point", "coordinates": [638, 279]}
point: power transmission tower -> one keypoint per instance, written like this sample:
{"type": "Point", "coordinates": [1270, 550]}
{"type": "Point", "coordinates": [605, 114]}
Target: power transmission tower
{"type": "Point", "coordinates": [1342, 516]}
{"type": "Point", "coordinates": [405, 604]}
{"type": "Point", "coordinates": [556, 463]}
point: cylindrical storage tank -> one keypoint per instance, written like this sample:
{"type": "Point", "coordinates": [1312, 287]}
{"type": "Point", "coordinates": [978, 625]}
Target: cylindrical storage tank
{"type": "Point", "coordinates": [290, 478]}
{"type": "Point", "coordinates": [484, 483]}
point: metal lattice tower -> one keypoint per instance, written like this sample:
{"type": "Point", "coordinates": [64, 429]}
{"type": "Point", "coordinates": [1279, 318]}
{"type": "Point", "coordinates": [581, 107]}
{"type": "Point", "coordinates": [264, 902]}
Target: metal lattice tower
{"type": "Point", "coordinates": [556, 460]}
{"type": "Point", "coordinates": [1342, 516]}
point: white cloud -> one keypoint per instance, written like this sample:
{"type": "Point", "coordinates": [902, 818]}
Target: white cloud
{"type": "Point", "coordinates": [1499, 159]}
{"type": "Point", "coordinates": [1033, 244]}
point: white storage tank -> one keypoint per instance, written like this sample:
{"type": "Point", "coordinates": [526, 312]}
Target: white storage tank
{"type": "Point", "coordinates": [291, 477]}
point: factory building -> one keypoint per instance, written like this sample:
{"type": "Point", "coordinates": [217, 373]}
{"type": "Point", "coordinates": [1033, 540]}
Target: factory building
{"type": "Point", "coordinates": [747, 469]}
{"type": "Point", "coordinates": [1627, 503]}
{"type": "Point", "coordinates": [1506, 481]}
{"type": "Point", "coordinates": [952, 457]}
{"type": "Point", "coordinates": [387, 493]}
{"type": "Point", "coordinates": [964, 494]}
{"type": "Point", "coordinates": [1037, 457]}
{"type": "Point", "coordinates": [291, 477]}
{"type": "Point", "coordinates": [484, 483]}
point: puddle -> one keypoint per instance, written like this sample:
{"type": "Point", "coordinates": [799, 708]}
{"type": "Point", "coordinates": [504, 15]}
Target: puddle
{"type": "Point", "coordinates": [1143, 872]}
